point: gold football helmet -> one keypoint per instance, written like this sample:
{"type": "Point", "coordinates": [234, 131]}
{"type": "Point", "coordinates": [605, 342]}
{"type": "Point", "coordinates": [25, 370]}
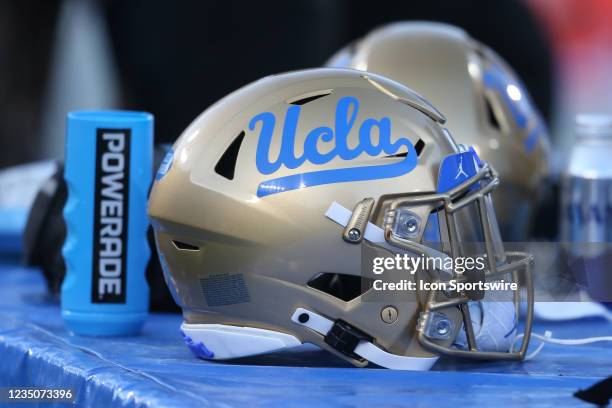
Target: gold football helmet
{"type": "Point", "coordinates": [485, 103]}
{"type": "Point", "coordinates": [272, 203]}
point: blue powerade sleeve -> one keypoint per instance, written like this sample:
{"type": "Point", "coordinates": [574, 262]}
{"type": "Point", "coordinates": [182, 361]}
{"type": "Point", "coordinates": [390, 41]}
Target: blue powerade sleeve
{"type": "Point", "coordinates": [108, 170]}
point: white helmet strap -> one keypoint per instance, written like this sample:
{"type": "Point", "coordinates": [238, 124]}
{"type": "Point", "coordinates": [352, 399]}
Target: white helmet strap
{"type": "Point", "coordinates": [364, 349]}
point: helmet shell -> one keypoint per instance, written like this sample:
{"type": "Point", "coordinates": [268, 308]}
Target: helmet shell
{"type": "Point", "coordinates": [216, 228]}
{"type": "Point", "coordinates": [484, 101]}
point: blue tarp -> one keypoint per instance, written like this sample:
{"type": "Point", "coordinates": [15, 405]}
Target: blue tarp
{"type": "Point", "coordinates": [157, 370]}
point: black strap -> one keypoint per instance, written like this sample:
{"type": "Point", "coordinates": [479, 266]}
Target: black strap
{"type": "Point", "coordinates": [345, 338]}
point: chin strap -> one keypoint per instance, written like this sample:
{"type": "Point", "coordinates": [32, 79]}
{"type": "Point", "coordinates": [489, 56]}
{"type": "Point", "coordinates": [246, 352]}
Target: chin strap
{"type": "Point", "coordinates": [356, 344]}
{"type": "Point", "coordinates": [547, 338]}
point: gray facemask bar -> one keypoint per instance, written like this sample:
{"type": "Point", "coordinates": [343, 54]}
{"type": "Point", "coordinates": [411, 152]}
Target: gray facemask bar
{"type": "Point", "coordinates": [498, 266]}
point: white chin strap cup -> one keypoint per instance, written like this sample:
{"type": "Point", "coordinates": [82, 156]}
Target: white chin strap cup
{"type": "Point", "coordinates": [222, 342]}
{"type": "Point", "coordinates": [364, 349]}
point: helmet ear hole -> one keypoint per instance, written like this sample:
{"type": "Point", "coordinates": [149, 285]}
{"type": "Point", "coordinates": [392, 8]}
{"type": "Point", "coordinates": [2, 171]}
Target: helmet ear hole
{"type": "Point", "coordinates": [341, 286]}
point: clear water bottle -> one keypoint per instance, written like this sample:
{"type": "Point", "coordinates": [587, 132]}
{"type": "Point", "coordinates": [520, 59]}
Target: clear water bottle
{"type": "Point", "coordinates": [108, 171]}
{"type": "Point", "coordinates": [586, 204]}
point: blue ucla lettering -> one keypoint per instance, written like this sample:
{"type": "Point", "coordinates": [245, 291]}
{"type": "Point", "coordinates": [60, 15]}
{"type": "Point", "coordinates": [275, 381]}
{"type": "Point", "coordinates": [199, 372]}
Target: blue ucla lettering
{"type": "Point", "coordinates": [346, 114]}
{"type": "Point", "coordinates": [310, 146]}
{"type": "Point", "coordinates": [287, 153]}
{"type": "Point", "coordinates": [267, 120]}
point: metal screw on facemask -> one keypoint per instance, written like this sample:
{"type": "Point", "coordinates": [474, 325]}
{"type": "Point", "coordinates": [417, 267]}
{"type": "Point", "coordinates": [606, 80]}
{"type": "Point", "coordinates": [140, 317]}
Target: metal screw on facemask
{"type": "Point", "coordinates": [412, 225]}
{"type": "Point", "coordinates": [443, 327]}
{"type": "Point", "coordinates": [406, 224]}
{"type": "Point", "coordinates": [354, 234]}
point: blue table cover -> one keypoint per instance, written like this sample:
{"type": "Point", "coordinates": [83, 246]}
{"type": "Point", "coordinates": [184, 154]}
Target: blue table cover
{"type": "Point", "coordinates": [155, 369]}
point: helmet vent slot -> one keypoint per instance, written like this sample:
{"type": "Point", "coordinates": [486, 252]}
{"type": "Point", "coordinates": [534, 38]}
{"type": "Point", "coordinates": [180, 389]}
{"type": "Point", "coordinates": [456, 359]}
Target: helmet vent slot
{"type": "Point", "coordinates": [491, 117]}
{"type": "Point", "coordinates": [418, 147]}
{"type": "Point", "coordinates": [226, 165]}
{"type": "Point", "coordinates": [183, 246]}
{"type": "Point", "coordinates": [341, 286]}
{"type": "Point", "coordinates": [309, 97]}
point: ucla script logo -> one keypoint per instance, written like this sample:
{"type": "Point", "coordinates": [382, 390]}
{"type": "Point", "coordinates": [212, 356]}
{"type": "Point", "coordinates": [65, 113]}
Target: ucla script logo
{"type": "Point", "coordinates": [346, 114]}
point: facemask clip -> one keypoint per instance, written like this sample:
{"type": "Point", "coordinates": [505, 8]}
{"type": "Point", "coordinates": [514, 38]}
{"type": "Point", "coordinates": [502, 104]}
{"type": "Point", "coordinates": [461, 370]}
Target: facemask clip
{"type": "Point", "coordinates": [406, 224]}
{"type": "Point", "coordinates": [436, 325]}
{"type": "Point", "coordinates": [355, 228]}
